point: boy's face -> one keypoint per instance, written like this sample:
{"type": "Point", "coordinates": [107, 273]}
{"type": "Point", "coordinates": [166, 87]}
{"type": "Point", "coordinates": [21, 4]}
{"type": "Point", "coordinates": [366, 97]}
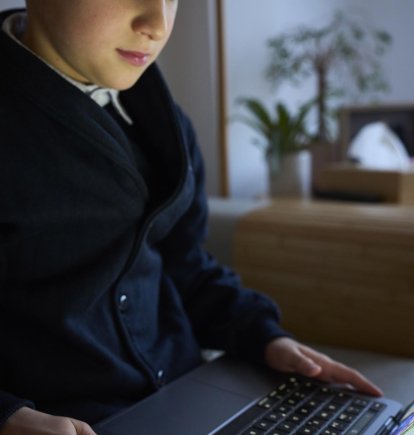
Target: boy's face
{"type": "Point", "coordinates": [105, 42]}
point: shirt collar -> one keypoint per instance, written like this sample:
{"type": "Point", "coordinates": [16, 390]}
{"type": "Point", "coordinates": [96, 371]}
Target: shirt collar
{"type": "Point", "coordinates": [14, 26]}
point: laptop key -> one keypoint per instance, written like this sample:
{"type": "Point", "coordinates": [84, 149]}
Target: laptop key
{"type": "Point", "coordinates": [266, 403]}
{"type": "Point", "coordinates": [312, 404]}
{"type": "Point", "coordinates": [330, 431]}
{"type": "Point", "coordinates": [263, 425]}
{"type": "Point", "coordinates": [297, 418]}
{"type": "Point", "coordinates": [292, 401]}
{"type": "Point", "coordinates": [361, 423]}
{"type": "Point", "coordinates": [309, 386]}
{"type": "Point", "coordinates": [301, 394]}
{"type": "Point", "coordinates": [333, 407]}
{"type": "Point", "coordinates": [326, 391]}
{"type": "Point", "coordinates": [377, 406]}
{"type": "Point", "coordinates": [274, 417]}
{"type": "Point", "coordinates": [352, 409]}
{"type": "Point", "coordinates": [308, 430]}
{"type": "Point", "coordinates": [339, 425]}
{"type": "Point", "coordinates": [253, 431]}
{"type": "Point", "coordinates": [360, 402]}
{"type": "Point", "coordinates": [286, 426]}
{"type": "Point", "coordinates": [316, 422]}
{"type": "Point", "coordinates": [284, 409]}
{"type": "Point", "coordinates": [349, 418]}
{"type": "Point", "coordinates": [284, 389]}
{"type": "Point", "coordinates": [341, 398]}
{"type": "Point", "coordinates": [324, 415]}
{"type": "Point", "coordinates": [304, 411]}
{"type": "Point", "coordinates": [276, 395]}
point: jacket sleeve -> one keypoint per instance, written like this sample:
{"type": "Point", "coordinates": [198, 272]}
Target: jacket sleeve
{"type": "Point", "coordinates": [9, 404]}
{"type": "Point", "coordinates": [223, 313]}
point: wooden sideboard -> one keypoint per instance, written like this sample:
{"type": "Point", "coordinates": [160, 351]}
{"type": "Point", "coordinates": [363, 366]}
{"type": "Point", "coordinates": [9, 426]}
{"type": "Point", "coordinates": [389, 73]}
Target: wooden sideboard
{"type": "Point", "coordinates": [342, 273]}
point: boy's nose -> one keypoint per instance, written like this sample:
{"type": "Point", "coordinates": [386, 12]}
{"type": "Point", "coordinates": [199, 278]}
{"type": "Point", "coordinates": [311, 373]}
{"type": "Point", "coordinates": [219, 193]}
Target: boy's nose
{"type": "Point", "coordinates": [153, 21]}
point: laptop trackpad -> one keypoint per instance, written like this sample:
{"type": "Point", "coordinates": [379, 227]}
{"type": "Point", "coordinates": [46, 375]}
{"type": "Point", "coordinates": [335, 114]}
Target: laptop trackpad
{"type": "Point", "coordinates": [187, 407]}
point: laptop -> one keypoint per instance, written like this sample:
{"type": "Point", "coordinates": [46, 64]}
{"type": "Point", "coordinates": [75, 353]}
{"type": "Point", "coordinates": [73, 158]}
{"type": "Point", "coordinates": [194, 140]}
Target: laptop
{"type": "Point", "coordinates": [229, 397]}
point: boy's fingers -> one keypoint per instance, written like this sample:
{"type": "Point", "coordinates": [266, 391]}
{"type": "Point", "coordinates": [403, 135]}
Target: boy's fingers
{"type": "Point", "coordinates": [307, 367]}
{"type": "Point", "coordinates": [344, 375]}
{"type": "Point", "coordinates": [82, 428]}
{"type": "Point", "coordinates": [333, 371]}
{"type": "Point", "coordinates": [302, 364]}
{"type": "Point", "coordinates": [287, 355]}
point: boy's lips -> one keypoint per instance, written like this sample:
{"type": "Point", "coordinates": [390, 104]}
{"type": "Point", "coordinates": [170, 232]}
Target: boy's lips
{"type": "Point", "coordinates": [135, 58]}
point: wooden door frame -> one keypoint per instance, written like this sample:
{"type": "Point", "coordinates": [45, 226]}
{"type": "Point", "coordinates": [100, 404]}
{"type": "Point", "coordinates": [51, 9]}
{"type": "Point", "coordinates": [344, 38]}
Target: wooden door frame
{"type": "Point", "coordinates": [222, 99]}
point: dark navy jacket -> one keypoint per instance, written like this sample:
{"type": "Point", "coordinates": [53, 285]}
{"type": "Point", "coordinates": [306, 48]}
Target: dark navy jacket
{"type": "Point", "coordinates": [105, 295]}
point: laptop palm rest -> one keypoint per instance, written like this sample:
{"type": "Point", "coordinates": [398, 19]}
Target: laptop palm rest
{"type": "Point", "coordinates": [195, 404]}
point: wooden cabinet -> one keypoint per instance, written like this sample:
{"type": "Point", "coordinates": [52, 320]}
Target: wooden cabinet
{"type": "Point", "coordinates": [342, 273]}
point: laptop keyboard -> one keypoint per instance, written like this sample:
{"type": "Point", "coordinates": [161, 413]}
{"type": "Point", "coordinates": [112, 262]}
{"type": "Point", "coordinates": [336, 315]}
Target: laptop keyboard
{"type": "Point", "coordinates": [303, 406]}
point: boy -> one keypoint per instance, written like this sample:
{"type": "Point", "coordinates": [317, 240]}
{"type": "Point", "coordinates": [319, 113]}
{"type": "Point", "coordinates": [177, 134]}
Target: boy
{"type": "Point", "coordinates": [105, 291]}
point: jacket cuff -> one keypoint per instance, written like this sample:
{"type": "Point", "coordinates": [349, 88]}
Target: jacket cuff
{"type": "Point", "coordinates": [252, 342]}
{"type": "Point", "coordinates": [9, 404]}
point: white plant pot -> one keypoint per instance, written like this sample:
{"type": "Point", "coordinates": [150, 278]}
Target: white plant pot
{"type": "Point", "coordinates": [294, 176]}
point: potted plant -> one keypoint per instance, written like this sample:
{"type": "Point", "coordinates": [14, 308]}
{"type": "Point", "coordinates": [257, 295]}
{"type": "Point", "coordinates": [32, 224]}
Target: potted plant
{"type": "Point", "coordinates": [285, 141]}
{"type": "Point", "coordinates": [343, 57]}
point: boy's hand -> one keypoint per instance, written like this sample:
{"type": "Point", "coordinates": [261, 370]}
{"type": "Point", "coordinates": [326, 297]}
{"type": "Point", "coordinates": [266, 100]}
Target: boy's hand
{"type": "Point", "coordinates": [26, 421]}
{"type": "Point", "coordinates": [287, 355]}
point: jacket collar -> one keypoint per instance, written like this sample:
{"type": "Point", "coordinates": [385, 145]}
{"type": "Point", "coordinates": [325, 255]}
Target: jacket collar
{"type": "Point", "coordinates": [148, 101]}
{"type": "Point", "coordinates": [14, 26]}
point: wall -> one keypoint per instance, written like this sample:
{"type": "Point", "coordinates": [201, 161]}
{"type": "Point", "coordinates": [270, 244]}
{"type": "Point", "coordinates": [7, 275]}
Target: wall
{"type": "Point", "coordinates": [190, 66]}
{"type": "Point", "coordinates": [248, 27]}
{"type": "Point", "coordinates": [6, 4]}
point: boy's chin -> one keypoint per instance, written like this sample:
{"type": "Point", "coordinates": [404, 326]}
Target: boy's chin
{"type": "Point", "coordinates": [121, 85]}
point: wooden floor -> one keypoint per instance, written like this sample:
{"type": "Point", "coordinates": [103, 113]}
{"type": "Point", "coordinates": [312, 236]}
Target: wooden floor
{"type": "Point", "coordinates": [342, 273]}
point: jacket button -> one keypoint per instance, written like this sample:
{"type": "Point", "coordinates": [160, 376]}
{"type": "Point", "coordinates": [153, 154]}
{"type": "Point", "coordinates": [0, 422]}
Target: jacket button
{"type": "Point", "coordinates": [160, 378]}
{"type": "Point", "coordinates": [123, 302]}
